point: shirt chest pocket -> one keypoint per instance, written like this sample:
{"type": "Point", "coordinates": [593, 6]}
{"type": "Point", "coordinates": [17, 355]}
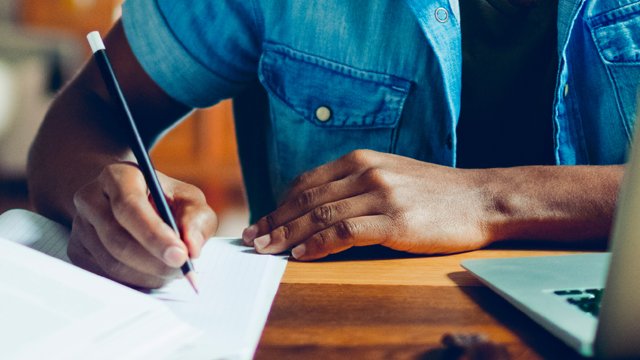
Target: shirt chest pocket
{"type": "Point", "coordinates": [321, 110]}
{"type": "Point", "coordinates": [616, 34]}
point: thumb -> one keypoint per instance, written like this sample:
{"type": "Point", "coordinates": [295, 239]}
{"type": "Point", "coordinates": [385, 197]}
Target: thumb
{"type": "Point", "coordinates": [195, 219]}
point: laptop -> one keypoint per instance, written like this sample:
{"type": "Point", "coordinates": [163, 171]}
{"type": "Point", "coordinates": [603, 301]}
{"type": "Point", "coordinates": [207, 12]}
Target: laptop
{"type": "Point", "coordinates": [589, 301]}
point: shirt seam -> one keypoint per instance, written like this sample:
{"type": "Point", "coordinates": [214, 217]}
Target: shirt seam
{"type": "Point", "coordinates": [390, 80]}
{"type": "Point", "coordinates": [616, 92]}
{"type": "Point", "coordinates": [186, 50]}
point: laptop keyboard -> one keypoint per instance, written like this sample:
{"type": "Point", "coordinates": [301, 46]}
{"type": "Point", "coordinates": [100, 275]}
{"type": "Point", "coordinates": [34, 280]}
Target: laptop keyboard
{"type": "Point", "coordinates": [587, 300]}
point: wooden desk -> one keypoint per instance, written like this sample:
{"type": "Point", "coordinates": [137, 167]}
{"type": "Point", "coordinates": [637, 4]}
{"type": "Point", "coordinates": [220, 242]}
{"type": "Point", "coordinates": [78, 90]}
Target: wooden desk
{"type": "Point", "coordinates": [375, 304]}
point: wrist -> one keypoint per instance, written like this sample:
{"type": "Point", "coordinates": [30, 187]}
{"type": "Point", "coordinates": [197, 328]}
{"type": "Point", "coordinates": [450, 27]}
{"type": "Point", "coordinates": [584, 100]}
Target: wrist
{"type": "Point", "coordinates": [500, 204]}
{"type": "Point", "coordinates": [548, 203]}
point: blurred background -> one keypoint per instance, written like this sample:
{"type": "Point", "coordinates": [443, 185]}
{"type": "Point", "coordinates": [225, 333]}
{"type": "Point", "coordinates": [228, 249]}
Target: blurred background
{"type": "Point", "coordinates": [42, 44]}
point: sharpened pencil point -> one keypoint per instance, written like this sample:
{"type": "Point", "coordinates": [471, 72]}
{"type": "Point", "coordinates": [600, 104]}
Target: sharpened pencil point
{"type": "Point", "coordinates": [191, 277]}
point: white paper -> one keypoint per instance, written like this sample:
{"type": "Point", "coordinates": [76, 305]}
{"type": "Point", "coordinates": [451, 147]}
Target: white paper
{"type": "Point", "coordinates": [53, 310]}
{"type": "Point", "coordinates": [237, 287]}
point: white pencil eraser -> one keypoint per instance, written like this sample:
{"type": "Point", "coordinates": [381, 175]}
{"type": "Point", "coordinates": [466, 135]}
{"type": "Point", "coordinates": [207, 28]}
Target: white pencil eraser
{"type": "Point", "coordinates": [95, 41]}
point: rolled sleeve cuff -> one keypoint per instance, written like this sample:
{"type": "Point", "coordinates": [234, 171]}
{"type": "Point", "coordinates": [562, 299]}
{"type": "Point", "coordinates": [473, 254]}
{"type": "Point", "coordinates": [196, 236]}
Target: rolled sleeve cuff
{"type": "Point", "coordinates": [167, 61]}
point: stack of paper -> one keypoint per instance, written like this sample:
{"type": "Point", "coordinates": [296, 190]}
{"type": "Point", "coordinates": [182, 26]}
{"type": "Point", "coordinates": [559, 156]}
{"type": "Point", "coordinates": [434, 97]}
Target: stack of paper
{"type": "Point", "coordinates": [237, 287]}
{"type": "Point", "coordinates": [51, 310]}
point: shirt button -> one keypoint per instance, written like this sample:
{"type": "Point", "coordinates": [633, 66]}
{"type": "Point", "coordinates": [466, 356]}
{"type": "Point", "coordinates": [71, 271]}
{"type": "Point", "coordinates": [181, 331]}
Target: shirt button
{"type": "Point", "coordinates": [442, 15]}
{"type": "Point", "coordinates": [323, 113]}
{"type": "Point", "coordinates": [566, 90]}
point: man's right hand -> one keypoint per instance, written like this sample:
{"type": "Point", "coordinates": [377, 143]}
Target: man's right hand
{"type": "Point", "coordinates": [117, 232]}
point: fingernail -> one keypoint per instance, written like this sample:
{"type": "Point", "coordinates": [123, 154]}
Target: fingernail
{"type": "Point", "coordinates": [262, 242]}
{"type": "Point", "coordinates": [175, 256]}
{"type": "Point", "coordinates": [249, 234]}
{"type": "Point", "coordinates": [298, 251]}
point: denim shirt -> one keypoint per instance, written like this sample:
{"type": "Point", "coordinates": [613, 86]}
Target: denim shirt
{"type": "Point", "coordinates": [385, 75]}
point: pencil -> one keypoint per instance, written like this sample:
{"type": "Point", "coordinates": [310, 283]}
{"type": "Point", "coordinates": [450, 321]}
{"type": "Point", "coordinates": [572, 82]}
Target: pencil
{"type": "Point", "coordinates": [137, 146]}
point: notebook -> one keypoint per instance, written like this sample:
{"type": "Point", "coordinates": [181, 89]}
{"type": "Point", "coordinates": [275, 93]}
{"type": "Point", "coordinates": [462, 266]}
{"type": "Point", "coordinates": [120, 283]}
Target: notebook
{"type": "Point", "coordinates": [237, 287]}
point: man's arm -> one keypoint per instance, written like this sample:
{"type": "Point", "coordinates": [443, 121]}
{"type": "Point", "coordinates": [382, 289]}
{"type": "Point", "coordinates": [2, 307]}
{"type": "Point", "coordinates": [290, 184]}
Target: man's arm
{"type": "Point", "coordinates": [81, 133]}
{"type": "Point", "coordinates": [368, 198]}
{"type": "Point", "coordinates": [81, 170]}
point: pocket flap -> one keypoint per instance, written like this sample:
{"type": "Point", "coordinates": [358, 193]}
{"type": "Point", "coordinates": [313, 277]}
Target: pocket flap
{"type": "Point", "coordinates": [329, 94]}
{"type": "Point", "coordinates": [617, 34]}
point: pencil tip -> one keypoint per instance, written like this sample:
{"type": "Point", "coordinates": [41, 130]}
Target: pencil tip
{"type": "Point", "coordinates": [191, 277]}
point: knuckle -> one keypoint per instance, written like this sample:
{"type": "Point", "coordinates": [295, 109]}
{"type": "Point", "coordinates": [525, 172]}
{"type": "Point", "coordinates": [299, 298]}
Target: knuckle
{"type": "Point", "coordinates": [282, 234]}
{"type": "Point", "coordinates": [376, 177]}
{"type": "Point", "coordinates": [321, 241]}
{"type": "Point", "coordinates": [109, 174]}
{"type": "Point", "coordinates": [303, 178]}
{"type": "Point", "coordinates": [299, 182]}
{"type": "Point", "coordinates": [270, 222]}
{"type": "Point", "coordinates": [345, 230]}
{"type": "Point", "coordinates": [198, 216]}
{"type": "Point", "coordinates": [388, 197]}
{"type": "Point", "coordinates": [206, 221]}
{"type": "Point", "coordinates": [86, 197]}
{"type": "Point", "coordinates": [360, 157]}
{"type": "Point", "coordinates": [125, 205]}
{"type": "Point", "coordinates": [306, 199]}
{"type": "Point", "coordinates": [286, 232]}
{"type": "Point", "coordinates": [323, 215]}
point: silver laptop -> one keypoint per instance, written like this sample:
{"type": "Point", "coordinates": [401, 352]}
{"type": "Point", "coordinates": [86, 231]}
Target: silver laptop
{"type": "Point", "coordinates": [590, 301]}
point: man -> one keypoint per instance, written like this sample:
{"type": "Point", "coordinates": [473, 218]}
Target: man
{"type": "Point", "coordinates": [371, 106]}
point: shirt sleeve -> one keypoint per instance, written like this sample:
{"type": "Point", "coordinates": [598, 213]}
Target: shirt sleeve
{"type": "Point", "coordinates": [198, 51]}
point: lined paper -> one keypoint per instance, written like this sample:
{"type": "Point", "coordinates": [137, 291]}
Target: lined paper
{"type": "Point", "coordinates": [36, 232]}
{"type": "Point", "coordinates": [237, 287]}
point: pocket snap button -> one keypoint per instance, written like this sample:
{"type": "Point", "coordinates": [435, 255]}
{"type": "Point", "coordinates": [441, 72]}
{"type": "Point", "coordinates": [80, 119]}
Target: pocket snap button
{"type": "Point", "coordinates": [323, 113]}
{"type": "Point", "coordinates": [442, 15]}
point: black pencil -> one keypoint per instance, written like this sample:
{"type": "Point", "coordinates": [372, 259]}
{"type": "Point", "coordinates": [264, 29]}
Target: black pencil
{"type": "Point", "coordinates": [137, 146]}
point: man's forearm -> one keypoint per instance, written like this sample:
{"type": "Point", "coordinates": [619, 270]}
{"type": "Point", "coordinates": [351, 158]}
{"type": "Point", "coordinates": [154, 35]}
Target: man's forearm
{"type": "Point", "coordinates": [82, 132]}
{"type": "Point", "coordinates": [76, 140]}
{"type": "Point", "coordinates": [564, 203]}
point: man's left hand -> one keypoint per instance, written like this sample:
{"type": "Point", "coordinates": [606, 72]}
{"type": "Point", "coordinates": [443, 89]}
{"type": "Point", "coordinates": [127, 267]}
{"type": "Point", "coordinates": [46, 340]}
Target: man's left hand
{"type": "Point", "coordinates": [367, 198]}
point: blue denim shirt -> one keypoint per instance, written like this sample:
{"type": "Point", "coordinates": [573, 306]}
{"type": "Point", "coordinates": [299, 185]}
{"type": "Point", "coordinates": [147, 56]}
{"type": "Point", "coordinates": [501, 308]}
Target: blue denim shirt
{"type": "Point", "coordinates": [377, 74]}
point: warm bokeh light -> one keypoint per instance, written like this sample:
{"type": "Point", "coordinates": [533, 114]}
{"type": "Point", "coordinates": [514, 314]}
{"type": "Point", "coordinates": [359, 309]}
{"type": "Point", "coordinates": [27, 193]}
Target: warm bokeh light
{"type": "Point", "coordinates": [201, 150]}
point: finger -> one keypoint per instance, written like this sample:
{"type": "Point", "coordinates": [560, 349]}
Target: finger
{"type": "Point", "coordinates": [110, 266]}
{"type": "Point", "coordinates": [81, 257]}
{"type": "Point", "coordinates": [322, 217]}
{"type": "Point", "coordinates": [126, 190]}
{"type": "Point", "coordinates": [94, 207]}
{"type": "Point", "coordinates": [297, 206]}
{"type": "Point", "coordinates": [354, 162]}
{"type": "Point", "coordinates": [196, 220]}
{"type": "Point", "coordinates": [360, 231]}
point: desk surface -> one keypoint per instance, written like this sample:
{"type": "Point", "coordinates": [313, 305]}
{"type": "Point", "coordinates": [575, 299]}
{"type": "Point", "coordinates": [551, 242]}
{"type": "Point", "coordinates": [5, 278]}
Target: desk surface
{"type": "Point", "coordinates": [378, 304]}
